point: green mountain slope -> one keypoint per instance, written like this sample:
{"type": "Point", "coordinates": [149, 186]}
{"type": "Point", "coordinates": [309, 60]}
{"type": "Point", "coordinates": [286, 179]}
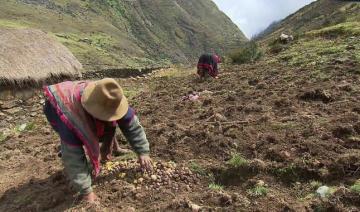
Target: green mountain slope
{"type": "Point", "coordinates": [326, 41]}
{"type": "Point", "coordinates": [127, 33]}
{"type": "Point", "coordinates": [317, 15]}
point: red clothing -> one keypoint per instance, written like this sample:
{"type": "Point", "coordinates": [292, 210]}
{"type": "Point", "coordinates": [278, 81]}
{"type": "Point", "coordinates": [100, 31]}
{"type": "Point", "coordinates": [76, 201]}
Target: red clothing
{"type": "Point", "coordinates": [209, 64]}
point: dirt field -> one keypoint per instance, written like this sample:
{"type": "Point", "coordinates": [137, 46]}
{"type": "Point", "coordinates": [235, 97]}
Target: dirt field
{"type": "Point", "coordinates": [259, 138]}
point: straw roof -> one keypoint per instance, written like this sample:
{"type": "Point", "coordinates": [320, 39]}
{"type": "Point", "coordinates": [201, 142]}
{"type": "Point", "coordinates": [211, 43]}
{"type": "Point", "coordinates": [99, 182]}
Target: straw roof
{"type": "Point", "coordinates": [31, 56]}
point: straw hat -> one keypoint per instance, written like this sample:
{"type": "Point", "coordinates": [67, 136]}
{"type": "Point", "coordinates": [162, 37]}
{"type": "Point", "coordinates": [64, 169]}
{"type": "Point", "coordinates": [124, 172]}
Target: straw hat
{"type": "Point", "coordinates": [104, 99]}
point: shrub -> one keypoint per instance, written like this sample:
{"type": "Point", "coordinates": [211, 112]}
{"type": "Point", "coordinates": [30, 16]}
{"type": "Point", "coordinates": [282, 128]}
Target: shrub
{"type": "Point", "coordinates": [288, 173]}
{"type": "Point", "coordinates": [315, 184]}
{"type": "Point", "coordinates": [237, 161]}
{"type": "Point", "coordinates": [356, 187]}
{"type": "Point", "coordinates": [248, 53]}
{"type": "Point", "coordinates": [258, 191]}
{"type": "Point", "coordinates": [276, 47]}
{"type": "Point", "coordinates": [196, 168]}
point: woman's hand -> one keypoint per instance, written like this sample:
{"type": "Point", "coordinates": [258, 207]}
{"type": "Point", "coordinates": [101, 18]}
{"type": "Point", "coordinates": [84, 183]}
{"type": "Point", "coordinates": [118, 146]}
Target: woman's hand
{"type": "Point", "coordinates": [145, 162]}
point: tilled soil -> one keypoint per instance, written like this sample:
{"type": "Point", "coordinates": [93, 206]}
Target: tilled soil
{"type": "Point", "coordinates": [293, 134]}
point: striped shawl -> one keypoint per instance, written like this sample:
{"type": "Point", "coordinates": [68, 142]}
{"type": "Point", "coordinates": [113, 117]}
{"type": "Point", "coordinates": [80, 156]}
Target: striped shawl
{"type": "Point", "coordinates": [65, 97]}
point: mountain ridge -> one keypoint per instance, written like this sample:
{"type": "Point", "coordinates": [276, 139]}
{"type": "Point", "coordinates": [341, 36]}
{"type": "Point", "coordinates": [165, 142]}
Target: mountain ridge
{"type": "Point", "coordinates": [314, 16]}
{"type": "Point", "coordinates": [111, 33]}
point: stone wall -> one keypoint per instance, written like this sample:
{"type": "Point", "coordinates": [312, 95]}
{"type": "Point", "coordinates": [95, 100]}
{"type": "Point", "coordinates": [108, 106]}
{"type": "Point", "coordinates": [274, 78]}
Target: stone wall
{"type": "Point", "coordinates": [8, 93]}
{"type": "Point", "coordinates": [122, 73]}
{"type": "Point", "coordinates": [19, 106]}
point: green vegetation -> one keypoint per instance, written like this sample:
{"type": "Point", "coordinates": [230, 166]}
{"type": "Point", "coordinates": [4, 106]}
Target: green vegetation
{"type": "Point", "coordinates": [25, 127]}
{"type": "Point", "coordinates": [131, 92]}
{"type": "Point", "coordinates": [347, 28]}
{"type": "Point", "coordinates": [119, 8]}
{"type": "Point", "coordinates": [113, 34]}
{"type": "Point", "coordinates": [307, 197]}
{"type": "Point", "coordinates": [288, 170]}
{"type": "Point", "coordinates": [216, 187]}
{"type": "Point", "coordinates": [320, 208]}
{"type": "Point", "coordinates": [248, 53]}
{"type": "Point", "coordinates": [277, 47]}
{"type": "Point", "coordinates": [99, 50]}
{"type": "Point", "coordinates": [319, 52]}
{"type": "Point", "coordinates": [356, 187]}
{"type": "Point", "coordinates": [2, 137]}
{"type": "Point", "coordinates": [315, 54]}
{"type": "Point", "coordinates": [287, 173]}
{"type": "Point", "coordinates": [13, 24]}
{"type": "Point", "coordinates": [324, 35]}
{"type": "Point", "coordinates": [174, 73]}
{"type": "Point", "coordinates": [196, 168]}
{"type": "Point", "coordinates": [315, 184]}
{"type": "Point", "coordinates": [320, 75]}
{"type": "Point", "coordinates": [258, 191]}
{"type": "Point", "coordinates": [237, 161]}
{"type": "Point", "coordinates": [325, 17]}
{"type": "Point", "coordinates": [18, 129]}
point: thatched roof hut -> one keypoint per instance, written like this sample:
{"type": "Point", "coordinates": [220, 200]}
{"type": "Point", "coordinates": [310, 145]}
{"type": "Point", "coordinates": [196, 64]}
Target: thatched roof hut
{"type": "Point", "coordinates": [31, 57]}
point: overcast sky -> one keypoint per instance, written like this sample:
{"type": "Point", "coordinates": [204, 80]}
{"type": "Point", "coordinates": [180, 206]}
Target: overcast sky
{"type": "Point", "coordinates": [252, 16]}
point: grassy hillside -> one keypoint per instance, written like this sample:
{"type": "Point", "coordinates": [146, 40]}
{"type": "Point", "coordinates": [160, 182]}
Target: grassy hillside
{"type": "Point", "coordinates": [326, 36]}
{"type": "Point", "coordinates": [118, 33]}
{"type": "Point", "coordinates": [317, 15]}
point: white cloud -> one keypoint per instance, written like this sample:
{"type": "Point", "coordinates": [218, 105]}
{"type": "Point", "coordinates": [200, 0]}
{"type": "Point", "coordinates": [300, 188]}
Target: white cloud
{"type": "Point", "coordinates": [252, 16]}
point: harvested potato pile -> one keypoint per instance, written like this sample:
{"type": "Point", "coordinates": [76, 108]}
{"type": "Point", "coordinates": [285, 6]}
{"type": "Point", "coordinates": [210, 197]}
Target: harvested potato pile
{"type": "Point", "coordinates": [164, 174]}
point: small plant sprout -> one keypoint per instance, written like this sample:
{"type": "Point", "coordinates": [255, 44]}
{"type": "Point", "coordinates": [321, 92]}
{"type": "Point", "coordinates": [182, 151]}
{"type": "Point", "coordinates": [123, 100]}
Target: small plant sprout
{"type": "Point", "coordinates": [315, 184]}
{"type": "Point", "coordinates": [196, 168]}
{"type": "Point", "coordinates": [25, 127]}
{"type": "Point", "coordinates": [356, 187]}
{"type": "Point", "coordinates": [258, 191]}
{"type": "Point", "coordinates": [211, 176]}
{"type": "Point", "coordinates": [2, 137]}
{"type": "Point", "coordinates": [237, 161]}
{"type": "Point", "coordinates": [216, 187]}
